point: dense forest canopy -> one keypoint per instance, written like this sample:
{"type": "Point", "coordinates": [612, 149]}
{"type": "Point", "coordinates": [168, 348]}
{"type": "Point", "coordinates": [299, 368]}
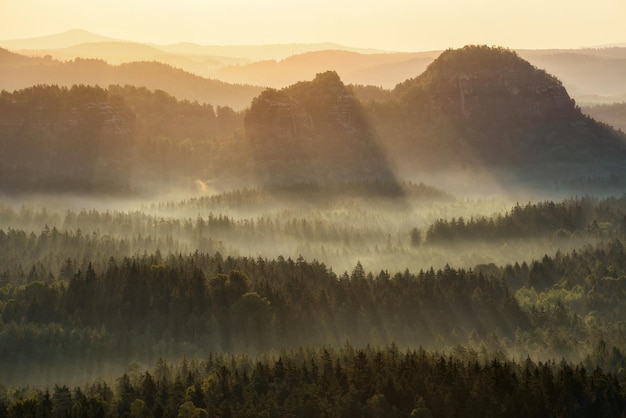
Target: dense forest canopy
{"type": "Point", "coordinates": [153, 267]}
{"type": "Point", "coordinates": [164, 257]}
{"type": "Point", "coordinates": [342, 383]}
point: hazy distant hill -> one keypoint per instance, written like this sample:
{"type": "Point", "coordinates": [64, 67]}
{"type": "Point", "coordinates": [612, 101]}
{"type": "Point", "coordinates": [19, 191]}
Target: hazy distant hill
{"type": "Point", "coordinates": [614, 114]}
{"type": "Point", "coordinates": [111, 52]}
{"type": "Point", "coordinates": [487, 107]}
{"type": "Point", "coordinates": [54, 41]}
{"type": "Point", "coordinates": [125, 52]}
{"type": "Point", "coordinates": [76, 37]}
{"type": "Point", "coordinates": [18, 72]}
{"type": "Point", "coordinates": [374, 69]}
{"type": "Point", "coordinates": [590, 75]}
{"type": "Point", "coordinates": [259, 52]}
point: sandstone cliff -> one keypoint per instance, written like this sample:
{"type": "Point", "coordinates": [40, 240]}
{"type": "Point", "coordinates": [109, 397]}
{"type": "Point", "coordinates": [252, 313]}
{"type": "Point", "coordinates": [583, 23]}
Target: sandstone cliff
{"type": "Point", "coordinates": [314, 131]}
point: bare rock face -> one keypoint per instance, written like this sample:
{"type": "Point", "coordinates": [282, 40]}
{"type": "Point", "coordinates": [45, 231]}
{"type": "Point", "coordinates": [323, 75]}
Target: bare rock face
{"type": "Point", "coordinates": [312, 131]}
{"type": "Point", "coordinates": [476, 83]}
{"type": "Point", "coordinates": [319, 108]}
{"type": "Point", "coordinates": [487, 105]}
{"type": "Point", "coordinates": [542, 95]}
{"type": "Point", "coordinates": [274, 114]}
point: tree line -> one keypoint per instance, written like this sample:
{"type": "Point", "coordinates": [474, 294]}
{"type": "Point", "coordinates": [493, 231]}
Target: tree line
{"type": "Point", "coordinates": [349, 382]}
{"type": "Point", "coordinates": [155, 305]}
{"type": "Point", "coordinates": [534, 220]}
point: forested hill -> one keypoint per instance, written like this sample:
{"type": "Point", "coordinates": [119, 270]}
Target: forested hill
{"type": "Point", "coordinates": [480, 109]}
{"type": "Point", "coordinates": [64, 139]}
{"type": "Point", "coordinates": [18, 72]}
{"type": "Point", "coordinates": [88, 139]}
{"type": "Point", "coordinates": [487, 106]}
{"type": "Point", "coordinates": [315, 130]}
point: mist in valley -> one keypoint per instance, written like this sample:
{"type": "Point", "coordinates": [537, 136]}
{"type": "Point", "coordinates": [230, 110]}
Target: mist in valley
{"type": "Point", "coordinates": [146, 236]}
{"type": "Point", "coordinates": [53, 241]}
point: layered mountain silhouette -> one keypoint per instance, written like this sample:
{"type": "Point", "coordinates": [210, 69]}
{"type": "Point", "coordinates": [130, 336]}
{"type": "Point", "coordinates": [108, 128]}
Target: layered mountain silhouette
{"type": "Point", "coordinates": [613, 114]}
{"type": "Point", "coordinates": [477, 109]}
{"type": "Point", "coordinates": [18, 71]}
{"type": "Point", "coordinates": [591, 75]}
{"type": "Point", "coordinates": [382, 69]}
{"type": "Point", "coordinates": [57, 40]}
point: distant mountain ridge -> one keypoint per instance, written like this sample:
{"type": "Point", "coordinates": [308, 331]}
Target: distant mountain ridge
{"type": "Point", "coordinates": [383, 69]}
{"type": "Point", "coordinates": [58, 40]}
{"type": "Point", "coordinates": [480, 111]}
{"type": "Point", "coordinates": [74, 37]}
{"type": "Point", "coordinates": [262, 52]}
{"type": "Point", "coordinates": [591, 75]}
{"type": "Point", "coordinates": [613, 114]}
{"type": "Point", "coordinates": [17, 72]}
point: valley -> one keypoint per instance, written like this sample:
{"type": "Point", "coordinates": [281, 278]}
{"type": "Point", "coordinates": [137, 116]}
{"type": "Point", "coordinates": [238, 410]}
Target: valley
{"type": "Point", "coordinates": [300, 237]}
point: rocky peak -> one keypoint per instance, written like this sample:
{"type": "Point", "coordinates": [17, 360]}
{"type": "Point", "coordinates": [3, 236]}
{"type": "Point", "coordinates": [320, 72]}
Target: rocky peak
{"type": "Point", "coordinates": [322, 107]}
{"type": "Point", "coordinates": [81, 110]}
{"type": "Point", "coordinates": [275, 114]}
{"type": "Point", "coordinates": [316, 130]}
{"type": "Point", "coordinates": [478, 82]}
{"type": "Point", "coordinates": [480, 105]}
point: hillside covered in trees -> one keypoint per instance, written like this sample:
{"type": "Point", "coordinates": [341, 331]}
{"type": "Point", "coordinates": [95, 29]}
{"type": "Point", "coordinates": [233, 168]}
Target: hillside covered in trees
{"type": "Point", "coordinates": [477, 110]}
{"type": "Point", "coordinates": [488, 107]}
{"type": "Point", "coordinates": [163, 257]}
{"type": "Point", "coordinates": [164, 286]}
{"type": "Point", "coordinates": [92, 140]}
{"type": "Point", "coordinates": [347, 382]}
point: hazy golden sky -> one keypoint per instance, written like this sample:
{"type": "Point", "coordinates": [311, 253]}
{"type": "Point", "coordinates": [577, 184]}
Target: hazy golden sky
{"type": "Point", "coordinates": [410, 25]}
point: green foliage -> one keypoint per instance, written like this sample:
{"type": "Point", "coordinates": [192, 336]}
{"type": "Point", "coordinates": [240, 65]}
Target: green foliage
{"type": "Point", "coordinates": [273, 304]}
{"type": "Point", "coordinates": [315, 131]}
{"type": "Point", "coordinates": [64, 139]}
{"type": "Point", "coordinates": [371, 382]}
{"type": "Point", "coordinates": [185, 119]}
{"type": "Point", "coordinates": [88, 139]}
{"type": "Point", "coordinates": [486, 108]}
{"type": "Point", "coordinates": [558, 220]}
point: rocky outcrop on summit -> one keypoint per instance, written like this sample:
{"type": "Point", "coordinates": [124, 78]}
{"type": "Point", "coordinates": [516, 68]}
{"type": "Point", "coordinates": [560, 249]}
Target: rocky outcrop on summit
{"type": "Point", "coordinates": [320, 108]}
{"type": "Point", "coordinates": [477, 82]}
{"type": "Point", "coordinates": [276, 115]}
{"type": "Point", "coordinates": [314, 131]}
{"type": "Point", "coordinates": [488, 107]}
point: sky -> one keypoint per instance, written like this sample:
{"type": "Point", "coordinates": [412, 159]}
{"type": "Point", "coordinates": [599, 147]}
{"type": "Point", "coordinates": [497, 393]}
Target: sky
{"type": "Point", "coordinates": [400, 25]}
